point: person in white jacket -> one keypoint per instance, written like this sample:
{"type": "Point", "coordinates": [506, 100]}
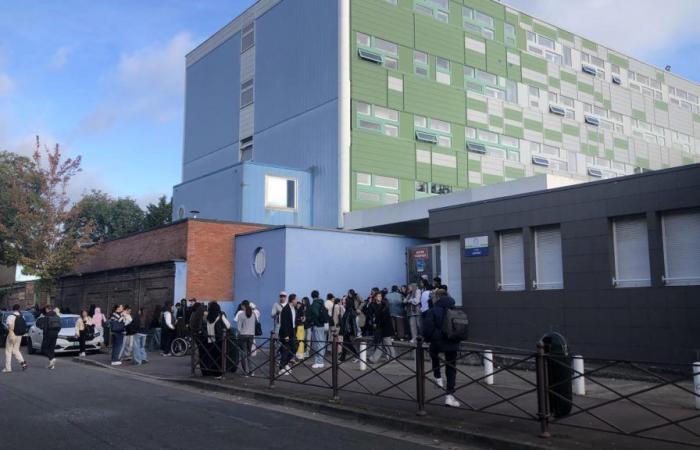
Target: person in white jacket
{"type": "Point", "coordinates": [13, 342]}
{"type": "Point", "coordinates": [412, 302]}
{"type": "Point", "coordinates": [277, 311]}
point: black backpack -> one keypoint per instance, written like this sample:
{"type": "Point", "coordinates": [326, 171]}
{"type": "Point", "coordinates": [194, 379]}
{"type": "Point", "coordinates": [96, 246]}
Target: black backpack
{"type": "Point", "coordinates": [455, 324]}
{"type": "Point", "coordinates": [21, 327]}
{"type": "Point", "coordinates": [54, 323]}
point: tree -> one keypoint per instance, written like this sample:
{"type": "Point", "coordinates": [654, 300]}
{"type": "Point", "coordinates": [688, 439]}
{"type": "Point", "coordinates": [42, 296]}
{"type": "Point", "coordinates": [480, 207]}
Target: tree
{"type": "Point", "coordinates": [106, 218]}
{"type": "Point", "coordinates": [44, 242]}
{"type": "Point", "coordinates": [158, 214]}
{"type": "Point", "coordinates": [18, 179]}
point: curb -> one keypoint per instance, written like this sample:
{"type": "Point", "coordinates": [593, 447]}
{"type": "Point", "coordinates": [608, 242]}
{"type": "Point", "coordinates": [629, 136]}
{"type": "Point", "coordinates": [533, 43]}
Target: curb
{"type": "Point", "coordinates": [473, 437]}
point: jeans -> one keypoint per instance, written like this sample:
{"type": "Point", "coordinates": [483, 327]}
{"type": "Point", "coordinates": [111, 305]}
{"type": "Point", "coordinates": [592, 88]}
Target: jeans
{"type": "Point", "coordinates": [166, 338]}
{"type": "Point", "coordinates": [155, 339]}
{"type": "Point", "coordinates": [117, 344]}
{"type": "Point", "coordinates": [127, 347]}
{"type": "Point", "coordinates": [385, 349]}
{"type": "Point", "coordinates": [318, 343]}
{"type": "Point", "coordinates": [245, 345]}
{"type": "Point", "coordinates": [450, 367]}
{"type": "Point", "coordinates": [416, 325]}
{"type": "Point", "coordinates": [348, 346]}
{"type": "Point", "coordinates": [12, 349]}
{"type": "Point", "coordinates": [140, 348]}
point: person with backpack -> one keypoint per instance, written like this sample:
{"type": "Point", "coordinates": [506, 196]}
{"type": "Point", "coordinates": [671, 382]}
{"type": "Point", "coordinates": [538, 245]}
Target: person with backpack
{"type": "Point", "coordinates": [444, 327]}
{"type": "Point", "coordinates": [117, 327]}
{"type": "Point", "coordinates": [50, 325]}
{"type": "Point", "coordinates": [246, 318]}
{"type": "Point", "coordinates": [84, 330]}
{"type": "Point", "coordinates": [216, 326]}
{"type": "Point", "coordinates": [348, 326]}
{"type": "Point", "coordinates": [16, 328]}
{"type": "Point", "coordinates": [287, 335]}
{"type": "Point", "coordinates": [167, 328]}
{"type": "Point", "coordinates": [318, 316]}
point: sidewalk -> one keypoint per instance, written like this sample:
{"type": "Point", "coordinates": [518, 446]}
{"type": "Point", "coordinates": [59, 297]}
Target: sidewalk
{"type": "Point", "coordinates": [371, 398]}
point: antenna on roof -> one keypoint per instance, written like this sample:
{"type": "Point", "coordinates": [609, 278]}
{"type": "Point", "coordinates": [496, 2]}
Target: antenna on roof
{"type": "Point", "coordinates": [667, 68]}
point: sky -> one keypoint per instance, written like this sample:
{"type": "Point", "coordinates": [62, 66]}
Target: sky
{"type": "Point", "coordinates": [105, 79]}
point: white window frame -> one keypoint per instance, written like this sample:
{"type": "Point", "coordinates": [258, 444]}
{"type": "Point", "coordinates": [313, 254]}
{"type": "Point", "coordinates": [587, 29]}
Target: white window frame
{"type": "Point", "coordinates": [279, 207]}
{"type": "Point", "coordinates": [536, 283]}
{"type": "Point", "coordinates": [628, 283]}
{"type": "Point", "coordinates": [511, 287]}
{"type": "Point", "coordinates": [675, 281]}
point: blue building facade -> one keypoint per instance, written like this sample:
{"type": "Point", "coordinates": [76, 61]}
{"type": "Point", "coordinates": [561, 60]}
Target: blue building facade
{"type": "Point", "coordinates": [261, 118]}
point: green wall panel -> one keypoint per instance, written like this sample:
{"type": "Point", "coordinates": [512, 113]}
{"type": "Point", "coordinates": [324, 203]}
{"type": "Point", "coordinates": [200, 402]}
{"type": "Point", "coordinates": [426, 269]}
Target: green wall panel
{"type": "Point", "coordinates": [438, 39]}
{"type": "Point", "coordinates": [570, 130]}
{"type": "Point", "coordinates": [492, 179]}
{"type": "Point", "coordinates": [639, 115]}
{"type": "Point", "coordinates": [496, 121]}
{"type": "Point", "coordinates": [587, 88]}
{"type": "Point", "coordinates": [513, 131]}
{"type": "Point", "coordinates": [589, 45]}
{"type": "Point", "coordinates": [406, 126]}
{"type": "Point", "coordinates": [567, 76]}
{"type": "Point", "coordinates": [563, 34]}
{"type": "Point", "coordinates": [513, 114]}
{"type": "Point", "coordinates": [533, 125]}
{"type": "Point", "coordinates": [512, 18]}
{"type": "Point", "coordinates": [428, 98]}
{"type": "Point", "coordinates": [595, 136]}
{"type": "Point", "coordinates": [382, 20]}
{"type": "Point", "coordinates": [524, 18]}
{"type": "Point", "coordinates": [643, 162]}
{"type": "Point", "coordinates": [696, 118]}
{"type": "Point", "coordinates": [489, 7]}
{"type": "Point", "coordinates": [462, 169]}
{"type": "Point", "coordinates": [544, 30]}
{"type": "Point", "coordinates": [477, 105]}
{"type": "Point", "coordinates": [496, 58]}
{"type": "Point", "coordinates": [663, 106]}
{"type": "Point", "coordinates": [528, 61]}
{"type": "Point", "coordinates": [368, 82]}
{"type": "Point", "coordinates": [514, 172]}
{"type": "Point", "coordinates": [553, 135]}
{"type": "Point", "coordinates": [621, 143]}
{"type": "Point", "coordinates": [619, 60]}
{"type": "Point", "coordinates": [395, 99]}
{"type": "Point", "coordinates": [514, 72]}
{"type": "Point", "coordinates": [660, 77]}
{"type": "Point", "coordinates": [407, 189]}
{"type": "Point", "coordinates": [382, 155]}
{"type": "Point", "coordinates": [554, 82]}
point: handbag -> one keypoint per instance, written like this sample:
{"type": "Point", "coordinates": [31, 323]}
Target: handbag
{"type": "Point", "coordinates": [258, 327]}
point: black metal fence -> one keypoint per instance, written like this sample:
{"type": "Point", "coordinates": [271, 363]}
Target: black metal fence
{"type": "Point", "coordinates": [642, 400]}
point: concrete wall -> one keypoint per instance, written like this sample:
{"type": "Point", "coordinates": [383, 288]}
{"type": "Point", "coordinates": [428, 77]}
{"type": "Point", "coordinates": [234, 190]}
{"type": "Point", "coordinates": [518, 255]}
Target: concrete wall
{"type": "Point", "coordinates": [656, 323]}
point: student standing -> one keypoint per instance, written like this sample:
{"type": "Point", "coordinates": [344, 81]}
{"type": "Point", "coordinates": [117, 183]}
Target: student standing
{"type": "Point", "coordinates": [129, 333]}
{"type": "Point", "coordinates": [167, 327]}
{"type": "Point", "coordinates": [51, 325]}
{"type": "Point", "coordinates": [287, 334]}
{"type": "Point", "coordinates": [82, 328]}
{"type": "Point", "coordinates": [245, 322]}
{"type": "Point", "coordinates": [319, 319]}
{"type": "Point", "coordinates": [117, 328]}
{"type": "Point", "coordinates": [398, 312]}
{"type": "Point", "coordinates": [277, 311]}
{"type": "Point", "coordinates": [440, 344]}
{"type": "Point", "coordinates": [141, 323]}
{"type": "Point", "coordinates": [16, 328]}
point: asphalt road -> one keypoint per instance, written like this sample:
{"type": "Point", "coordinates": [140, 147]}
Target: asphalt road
{"type": "Point", "coordinates": [81, 407]}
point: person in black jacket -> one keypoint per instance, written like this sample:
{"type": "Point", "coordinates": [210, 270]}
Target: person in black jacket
{"type": "Point", "coordinates": [288, 335]}
{"type": "Point", "coordinates": [51, 326]}
{"type": "Point", "coordinates": [432, 329]}
{"type": "Point", "coordinates": [384, 331]}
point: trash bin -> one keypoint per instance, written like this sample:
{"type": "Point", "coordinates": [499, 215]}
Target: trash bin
{"type": "Point", "coordinates": [559, 374]}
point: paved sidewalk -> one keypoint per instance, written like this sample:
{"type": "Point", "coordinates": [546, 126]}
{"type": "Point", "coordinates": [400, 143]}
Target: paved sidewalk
{"type": "Point", "coordinates": [372, 398]}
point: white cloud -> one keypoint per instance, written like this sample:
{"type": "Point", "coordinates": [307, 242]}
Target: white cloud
{"type": "Point", "coordinates": [639, 28]}
{"type": "Point", "coordinates": [60, 57]}
{"type": "Point", "coordinates": [7, 84]}
{"type": "Point", "coordinates": [146, 84]}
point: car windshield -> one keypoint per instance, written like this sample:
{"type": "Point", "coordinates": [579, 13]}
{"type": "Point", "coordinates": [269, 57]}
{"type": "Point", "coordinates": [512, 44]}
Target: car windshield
{"type": "Point", "coordinates": [68, 322]}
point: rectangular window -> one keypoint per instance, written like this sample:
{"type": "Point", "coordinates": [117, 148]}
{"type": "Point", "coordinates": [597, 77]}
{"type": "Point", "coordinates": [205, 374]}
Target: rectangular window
{"type": "Point", "coordinates": [364, 179]}
{"type": "Point", "coordinates": [681, 241]}
{"type": "Point", "coordinates": [548, 260]}
{"type": "Point", "coordinates": [247, 93]}
{"type": "Point", "coordinates": [386, 114]}
{"type": "Point", "coordinates": [420, 64]}
{"type": "Point", "coordinates": [364, 108]}
{"type": "Point", "coordinates": [441, 126]}
{"type": "Point", "coordinates": [488, 136]}
{"type": "Point", "coordinates": [483, 18]}
{"type": "Point", "coordinates": [567, 56]}
{"type": "Point", "coordinates": [386, 46]}
{"type": "Point", "coordinates": [367, 196]}
{"type": "Point", "coordinates": [247, 36]}
{"type": "Point", "coordinates": [280, 193]}
{"type": "Point", "coordinates": [391, 130]}
{"type": "Point", "coordinates": [420, 122]}
{"type": "Point", "coordinates": [386, 182]}
{"type": "Point", "coordinates": [486, 77]}
{"type": "Point", "coordinates": [545, 42]}
{"type": "Point", "coordinates": [631, 249]}
{"type": "Point", "coordinates": [442, 66]}
{"type": "Point", "coordinates": [534, 92]}
{"type": "Point", "coordinates": [511, 259]}
{"type": "Point", "coordinates": [395, 84]}
{"type": "Point", "coordinates": [364, 40]}
{"type": "Point", "coordinates": [443, 77]}
{"type": "Point", "coordinates": [390, 199]}
{"type": "Point", "coordinates": [509, 33]}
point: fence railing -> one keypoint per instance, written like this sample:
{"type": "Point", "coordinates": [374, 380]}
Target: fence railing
{"type": "Point", "coordinates": [645, 400]}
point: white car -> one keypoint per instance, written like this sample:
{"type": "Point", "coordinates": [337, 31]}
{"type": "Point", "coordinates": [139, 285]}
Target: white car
{"type": "Point", "coordinates": [67, 342]}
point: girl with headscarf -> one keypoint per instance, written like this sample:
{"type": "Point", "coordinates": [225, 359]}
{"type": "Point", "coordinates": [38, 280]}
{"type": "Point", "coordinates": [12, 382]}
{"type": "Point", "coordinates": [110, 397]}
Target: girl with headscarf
{"type": "Point", "coordinates": [216, 326]}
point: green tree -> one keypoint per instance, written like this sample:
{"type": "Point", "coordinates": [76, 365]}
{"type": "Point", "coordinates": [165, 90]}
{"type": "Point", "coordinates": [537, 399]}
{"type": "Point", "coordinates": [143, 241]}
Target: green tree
{"type": "Point", "coordinates": [105, 217]}
{"type": "Point", "coordinates": [158, 214]}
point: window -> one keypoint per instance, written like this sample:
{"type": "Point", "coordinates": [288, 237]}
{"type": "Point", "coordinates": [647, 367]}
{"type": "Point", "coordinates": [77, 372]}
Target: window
{"type": "Point", "coordinates": [511, 259]}
{"type": "Point", "coordinates": [385, 113]}
{"type": "Point", "coordinates": [247, 36]}
{"type": "Point", "coordinates": [441, 126]}
{"type": "Point", "coordinates": [364, 179]}
{"type": "Point", "coordinates": [479, 23]}
{"type": "Point", "coordinates": [364, 39]}
{"type": "Point", "coordinates": [386, 182]}
{"type": "Point", "coordinates": [246, 149]}
{"type": "Point", "coordinates": [395, 84]}
{"type": "Point", "coordinates": [382, 52]}
{"type": "Point", "coordinates": [420, 64]}
{"type": "Point", "coordinates": [390, 199]}
{"type": "Point", "coordinates": [442, 74]}
{"type": "Point", "coordinates": [438, 9]}
{"type": "Point", "coordinates": [548, 261]}
{"type": "Point", "coordinates": [367, 196]}
{"type": "Point", "coordinates": [259, 261]}
{"type": "Point", "coordinates": [631, 249]}
{"type": "Point", "coordinates": [386, 46]}
{"type": "Point", "coordinates": [420, 122]}
{"type": "Point", "coordinates": [534, 92]}
{"type": "Point", "coordinates": [280, 193]}
{"type": "Point", "coordinates": [488, 136]}
{"type": "Point", "coordinates": [545, 42]}
{"type": "Point", "coordinates": [509, 33]}
{"type": "Point", "coordinates": [567, 56]}
{"type": "Point", "coordinates": [247, 93]}
{"type": "Point", "coordinates": [681, 241]}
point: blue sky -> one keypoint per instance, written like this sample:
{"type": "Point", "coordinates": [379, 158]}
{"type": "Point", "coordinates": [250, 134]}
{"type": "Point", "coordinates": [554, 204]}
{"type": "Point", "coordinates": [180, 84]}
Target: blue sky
{"type": "Point", "coordinates": [105, 78]}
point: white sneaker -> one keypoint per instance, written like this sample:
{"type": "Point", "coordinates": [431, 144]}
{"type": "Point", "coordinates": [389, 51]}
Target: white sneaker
{"type": "Point", "coordinates": [438, 381]}
{"type": "Point", "coordinates": [52, 364]}
{"type": "Point", "coordinates": [317, 366]}
{"type": "Point", "coordinates": [82, 354]}
{"type": "Point", "coordinates": [6, 370]}
{"type": "Point", "coordinates": [450, 400]}
{"type": "Point", "coordinates": [116, 363]}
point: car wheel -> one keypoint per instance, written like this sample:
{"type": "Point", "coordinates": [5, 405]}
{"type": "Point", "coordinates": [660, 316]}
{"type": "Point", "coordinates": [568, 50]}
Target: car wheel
{"type": "Point", "coordinates": [30, 346]}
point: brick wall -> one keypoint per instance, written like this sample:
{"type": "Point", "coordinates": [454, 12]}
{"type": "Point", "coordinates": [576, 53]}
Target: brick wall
{"type": "Point", "coordinates": [210, 264]}
{"type": "Point", "coordinates": [162, 244]}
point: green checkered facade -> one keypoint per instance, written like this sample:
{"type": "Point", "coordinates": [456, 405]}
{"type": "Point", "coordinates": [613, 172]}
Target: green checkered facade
{"type": "Point", "coordinates": [451, 94]}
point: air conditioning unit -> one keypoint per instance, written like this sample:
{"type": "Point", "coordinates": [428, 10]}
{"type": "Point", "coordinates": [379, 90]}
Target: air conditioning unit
{"type": "Point", "coordinates": [590, 70]}
{"type": "Point", "coordinates": [592, 171]}
{"type": "Point", "coordinates": [616, 79]}
{"type": "Point", "coordinates": [540, 161]}
{"type": "Point", "coordinates": [426, 137]}
{"type": "Point", "coordinates": [370, 56]}
{"type": "Point", "coordinates": [476, 148]}
{"type": "Point", "coordinates": [592, 120]}
{"type": "Point", "coordinates": [558, 110]}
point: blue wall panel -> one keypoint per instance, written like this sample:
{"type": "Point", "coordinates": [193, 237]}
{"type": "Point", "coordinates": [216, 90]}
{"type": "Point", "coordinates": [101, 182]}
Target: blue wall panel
{"type": "Point", "coordinates": [264, 290]}
{"type": "Point", "coordinates": [296, 91]}
{"type": "Point", "coordinates": [215, 196]}
{"type": "Point", "coordinates": [212, 108]}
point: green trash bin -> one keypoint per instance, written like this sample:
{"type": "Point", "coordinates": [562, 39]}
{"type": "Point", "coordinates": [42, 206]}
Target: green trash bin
{"type": "Point", "coordinates": [559, 373]}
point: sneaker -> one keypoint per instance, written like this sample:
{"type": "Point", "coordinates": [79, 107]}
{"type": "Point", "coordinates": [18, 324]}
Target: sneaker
{"type": "Point", "coordinates": [6, 370]}
{"type": "Point", "coordinates": [24, 365]}
{"type": "Point", "coordinates": [317, 366]}
{"type": "Point", "coordinates": [438, 382]}
{"type": "Point", "coordinates": [81, 354]}
{"type": "Point", "coordinates": [52, 364]}
{"type": "Point", "coordinates": [116, 363]}
{"type": "Point", "coordinates": [450, 400]}
{"type": "Point", "coordinates": [355, 360]}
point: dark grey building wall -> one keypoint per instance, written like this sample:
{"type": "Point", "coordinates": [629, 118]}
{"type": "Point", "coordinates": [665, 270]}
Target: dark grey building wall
{"type": "Point", "coordinates": [659, 323]}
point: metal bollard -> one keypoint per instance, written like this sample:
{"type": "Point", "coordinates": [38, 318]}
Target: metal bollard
{"type": "Point", "coordinates": [579, 382]}
{"type": "Point", "coordinates": [696, 383]}
{"type": "Point", "coordinates": [420, 377]}
{"type": "Point", "coordinates": [488, 367]}
{"type": "Point", "coordinates": [271, 362]}
{"type": "Point", "coordinates": [334, 368]}
{"type": "Point", "coordinates": [542, 390]}
{"type": "Point", "coordinates": [363, 355]}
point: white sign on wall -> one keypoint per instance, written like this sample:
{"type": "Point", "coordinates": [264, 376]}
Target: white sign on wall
{"type": "Point", "coordinates": [476, 246]}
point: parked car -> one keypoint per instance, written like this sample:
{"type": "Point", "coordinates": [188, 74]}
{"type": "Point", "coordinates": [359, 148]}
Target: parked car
{"type": "Point", "coordinates": [66, 342]}
{"type": "Point", "coordinates": [28, 317]}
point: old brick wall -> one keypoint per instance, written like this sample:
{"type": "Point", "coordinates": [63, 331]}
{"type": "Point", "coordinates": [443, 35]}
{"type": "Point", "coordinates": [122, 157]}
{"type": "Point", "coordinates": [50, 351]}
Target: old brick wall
{"type": "Point", "coordinates": [210, 258]}
{"type": "Point", "coordinates": [166, 243]}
